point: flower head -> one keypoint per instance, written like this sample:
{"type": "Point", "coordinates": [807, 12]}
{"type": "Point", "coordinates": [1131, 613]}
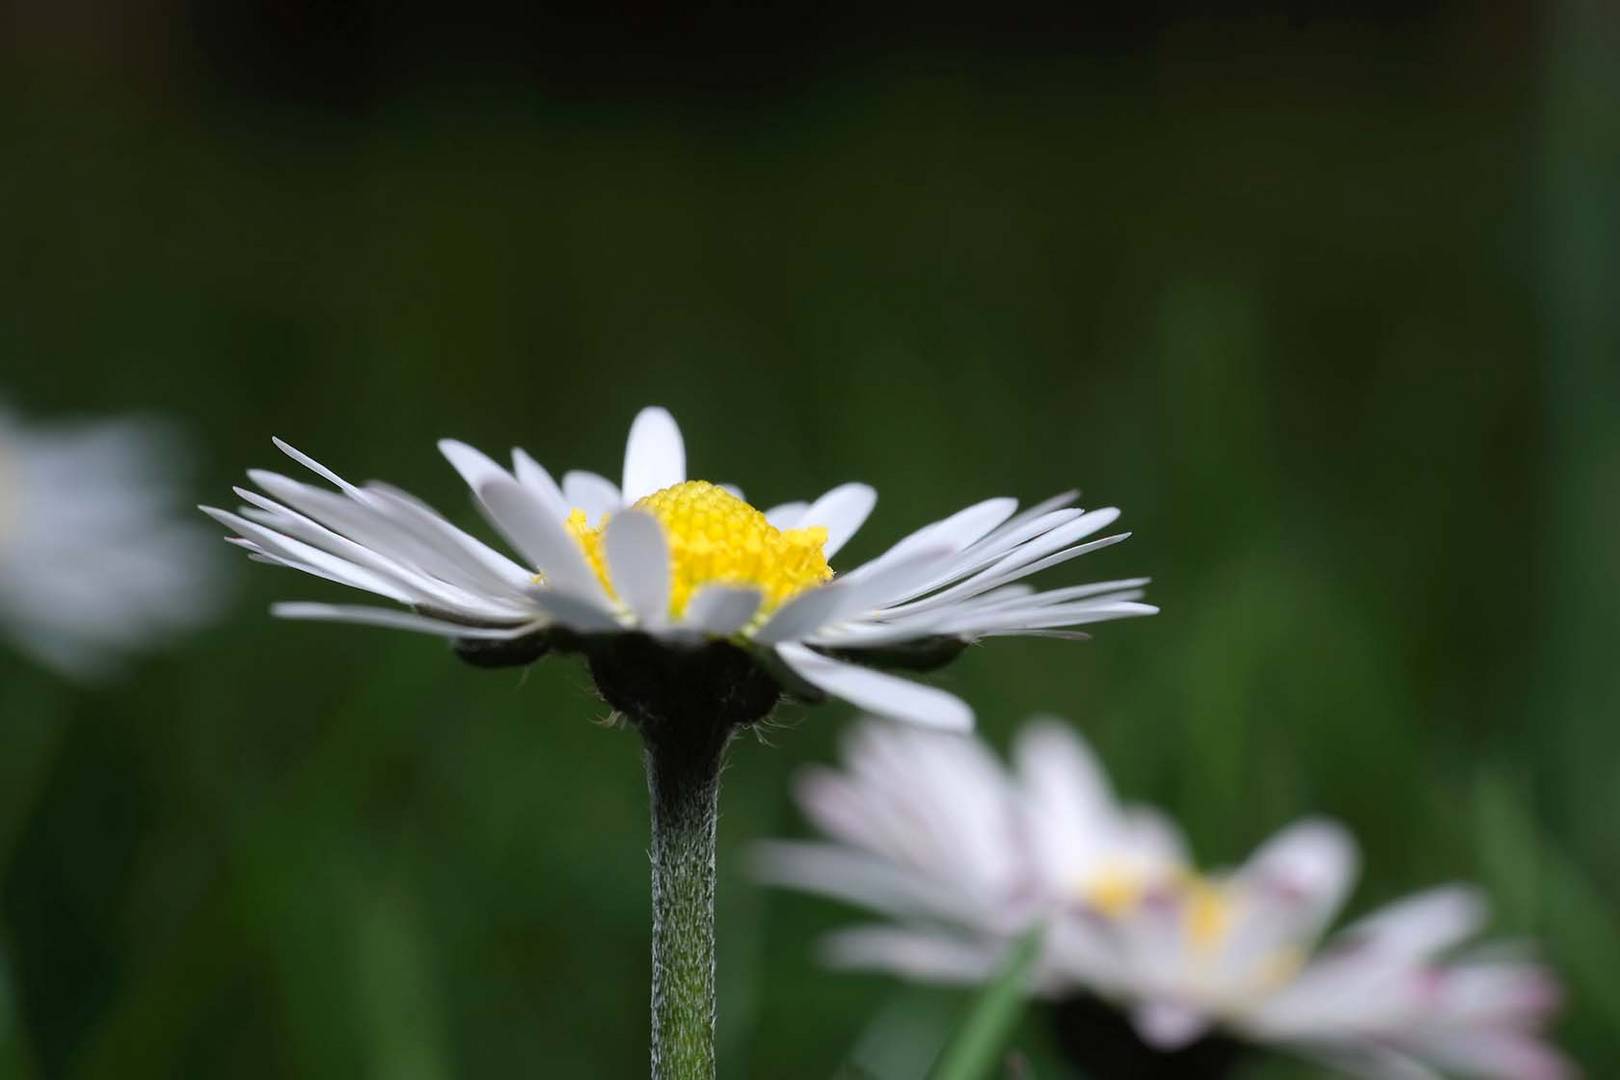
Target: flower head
{"type": "Point", "coordinates": [687, 563]}
{"type": "Point", "coordinates": [963, 856]}
{"type": "Point", "coordinates": [95, 562]}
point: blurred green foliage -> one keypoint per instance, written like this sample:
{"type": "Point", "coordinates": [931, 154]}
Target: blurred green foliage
{"type": "Point", "coordinates": [1322, 338]}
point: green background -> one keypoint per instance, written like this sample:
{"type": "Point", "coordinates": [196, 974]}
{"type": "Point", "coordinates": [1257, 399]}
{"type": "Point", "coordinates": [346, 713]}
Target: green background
{"type": "Point", "coordinates": [1328, 310]}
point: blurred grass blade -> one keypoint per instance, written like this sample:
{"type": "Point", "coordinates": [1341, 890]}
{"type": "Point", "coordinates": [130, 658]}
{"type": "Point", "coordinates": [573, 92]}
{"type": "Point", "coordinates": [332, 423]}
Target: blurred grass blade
{"type": "Point", "coordinates": [14, 1057]}
{"type": "Point", "coordinates": [974, 1051]}
{"type": "Point", "coordinates": [1536, 885]}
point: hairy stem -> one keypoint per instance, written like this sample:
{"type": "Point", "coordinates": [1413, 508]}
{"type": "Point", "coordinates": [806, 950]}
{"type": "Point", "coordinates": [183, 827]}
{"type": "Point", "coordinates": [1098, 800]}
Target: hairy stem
{"type": "Point", "coordinates": [683, 783]}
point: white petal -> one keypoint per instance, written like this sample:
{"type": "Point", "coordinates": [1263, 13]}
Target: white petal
{"type": "Point", "coordinates": [541, 538]}
{"type": "Point", "coordinates": [858, 877]}
{"type": "Point", "coordinates": [638, 564]}
{"type": "Point", "coordinates": [591, 493]}
{"type": "Point", "coordinates": [992, 548]}
{"type": "Point", "coordinates": [1013, 568]}
{"type": "Point", "coordinates": [958, 531]}
{"type": "Point", "coordinates": [1015, 621]}
{"type": "Point", "coordinates": [397, 620]}
{"type": "Point", "coordinates": [532, 475]}
{"type": "Point", "coordinates": [1166, 1026]}
{"type": "Point", "coordinates": [841, 512]}
{"type": "Point", "coordinates": [323, 563]}
{"type": "Point", "coordinates": [388, 536]}
{"type": "Point", "coordinates": [877, 692]}
{"type": "Point", "coordinates": [588, 616]}
{"type": "Point", "coordinates": [733, 490]}
{"type": "Point", "coordinates": [1423, 924]}
{"type": "Point", "coordinates": [804, 613]}
{"type": "Point", "coordinates": [436, 531]}
{"type": "Point", "coordinates": [721, 610]}
{"type": "Point", "coordinates": [787, 515]}
{"type": "Point", "coordinates": [817, 609]}
{"type": "Point", "coordinates": [316, 467]}
{"type": "Point", "coordinates": [1311, 863]}
{"type": "Point", "coordinates": [1067, 789]}
{"type": "Point", "coordinates": [1040, 509]}
{"type": "Point", "coordinates": [475, 467]}
{"type": "Point", "coordinates": [1040, 552]}
{"type": "Point", "coordinates": [929, 955]}
{"type": "Point", "coordinates": [654, 455]}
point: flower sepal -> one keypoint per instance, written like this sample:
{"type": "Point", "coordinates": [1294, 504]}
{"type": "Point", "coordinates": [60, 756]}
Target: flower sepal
{"type": "Point", "coordinates": [700, 694]}
{"type": "Point", "coordinates": [918, 654]}
{"type": "Point", "coordinates": [1101, 1039]}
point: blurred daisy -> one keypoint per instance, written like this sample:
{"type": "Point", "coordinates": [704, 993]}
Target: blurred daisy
{"type": "Point", "coordinates": [964, 856]}
{"type": "Point", "coordinates": [687, 563]}
{"type": "Point", "coordinates": [95, 562]}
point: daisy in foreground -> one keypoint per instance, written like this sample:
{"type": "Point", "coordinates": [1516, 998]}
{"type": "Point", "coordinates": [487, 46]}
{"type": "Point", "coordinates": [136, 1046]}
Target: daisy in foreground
{"type": "Point", "coordinates": [95, 560]}
{"type": "Point", "coordinates": [1154, 968]}
{"type": "Point", "coordinates": [695, 612]}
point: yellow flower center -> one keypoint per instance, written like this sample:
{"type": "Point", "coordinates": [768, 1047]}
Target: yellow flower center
{"type": "Point", "coordinates": [716, 538]}
{"type": "Point", "coordinates": [1114, 891]}
{"type": "Point", "coordinates": [1208, 913]}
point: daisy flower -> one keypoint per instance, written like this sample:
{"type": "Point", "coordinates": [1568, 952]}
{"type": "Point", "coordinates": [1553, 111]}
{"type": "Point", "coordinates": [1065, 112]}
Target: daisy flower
{"type": "Point", "coordinates": [95, 561]}
{"type": "Point", "coordinates": [695, 612]}
{"type": "Point", "coordinates": [1166, 971]}
{"type": "Point", "coordinates": [685, 563]}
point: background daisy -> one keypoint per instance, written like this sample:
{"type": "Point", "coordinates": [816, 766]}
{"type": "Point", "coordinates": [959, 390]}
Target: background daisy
{"type": "Point", "coordinates": [1168, 969]}
{"type": "Point", "coordinates": [96, 560]}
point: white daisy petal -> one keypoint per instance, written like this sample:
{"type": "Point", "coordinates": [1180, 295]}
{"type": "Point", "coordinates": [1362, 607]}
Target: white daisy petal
{"type": "Point", "coordinates": [396, 620]}
{"type": "Point", "coordinates": [587, 615]}
{"type": "Point", "coordinates": [596, 495]}
{"type": "Point", "coordinates": [1037, 554]}
{"type": "Point", "coordinates": [841, 512]}
{"type": "Point", "coordinates": [876, 692]}
{"type": "Point", "coordinates": [370, 534]}
{"type": "Point", "coordinates": [1424, 924]}
{"type": "Point", "coordinates": [1040, 509]}
{"type": "Point", "coordinates": [958, 531]}
{"type": "Point", "coordinates": [721, 610]}
{"type": "Point", "coordinates": [803, 614]}
{"type": "Point", "coordinates": [421, 571]}
{"type": "Point", "coordinates": [841, 873]}
{"type": "Point", "coordinates": [532, 475]}
{"type": "Point", "coordinates": [316, 467]}
{"type": "Point", "coordinates": [300, 554]}
{"type": "Point", "coordinates": [638, 562]}
{"type": "Point", "coordinates": [1311, 863]}
{"type": "Point", "coordinates": [733, 490]}
{"type": "Point", "coordinates": [1168, 1026]}
{"type": "Point", "coordinates": [451, 541]}
{"type": "Point", "coordinates": [475, 467]}
{"type": "Point", "coordinates": [927, 955]}
{"type": "Point", "coordinates": [654, 456]}
{"type": "Point", "coordinates": [787, 515]}
{"type": "Point", "coordinates": [815, 610]}
{"type": "Point", "coordinates": [988, 551]}
{"type": "Point", "coordinates": [1046, 618]}
{"type": "Point", "coordinates": [542, 539]}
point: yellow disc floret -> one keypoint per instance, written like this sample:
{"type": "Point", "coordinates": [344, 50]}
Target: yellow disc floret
{"type": "Point", "coordinates": [1209, 913]}
{"type": "Point", "coordinates": [716, 538]}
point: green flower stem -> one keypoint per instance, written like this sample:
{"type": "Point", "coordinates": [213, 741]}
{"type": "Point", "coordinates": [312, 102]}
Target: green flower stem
{"type": "Point", "coordinates": [683, 784]}
{"type": "Point", "coordinates": [686, 703]}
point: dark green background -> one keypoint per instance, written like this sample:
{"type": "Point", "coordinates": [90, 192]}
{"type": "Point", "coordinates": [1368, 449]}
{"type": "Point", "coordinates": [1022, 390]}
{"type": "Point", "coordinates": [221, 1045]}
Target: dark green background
{"type": "Point", "coordinates": [1326, 306]}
